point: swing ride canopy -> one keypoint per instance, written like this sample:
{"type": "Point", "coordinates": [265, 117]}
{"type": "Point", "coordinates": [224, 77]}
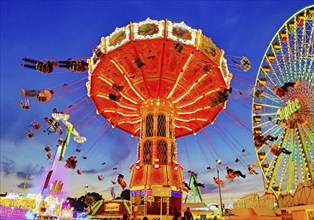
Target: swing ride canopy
{"type": "Point", "coordinates": [161, 61]}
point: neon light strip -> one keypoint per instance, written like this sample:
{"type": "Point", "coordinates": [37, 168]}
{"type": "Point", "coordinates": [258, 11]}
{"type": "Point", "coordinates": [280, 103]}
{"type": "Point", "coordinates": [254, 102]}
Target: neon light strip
{"type": "Point", "coordinates": [180, 75]}
{"type": "Point", "coordinates": [188, 91]}
{"type": "Point", "coordinates": [109, 83]}
{"type": "Point", "coordinates": [130, 122]}
{"type": "Point", "coordinates": [135, 131]}
{"type": "Point", "coordinates": [183, 127]}
{"type": "Point", "coordinates": [120, 113]}
{"type": "Point", "coordinates": [272, 106]}
{"type": "Point", "coordinates": [128, 81]}
{"type": "Point", "coordinates": [123, 106]}
{"type": "Point", "coordinates": [105, 80]}
{"type": "Point", "coordinates": [192, 119]}
{"type": "Point", "coordinates": [262, 124]}
{"type": "Point", "coordinates": [182, 106]}
{"type": "Point", "coordinates": [266, 114]}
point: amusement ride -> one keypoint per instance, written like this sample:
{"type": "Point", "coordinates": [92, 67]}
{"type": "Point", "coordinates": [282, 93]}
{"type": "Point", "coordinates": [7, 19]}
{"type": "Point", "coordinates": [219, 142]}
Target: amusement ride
{"type": "Point", "coordinates": [160, 80]}
{"type": "Point", "coordinates": [283, 105]}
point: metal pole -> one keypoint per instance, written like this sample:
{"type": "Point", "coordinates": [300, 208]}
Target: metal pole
{"type": "Point", "coordinates": [219, 188]}
{"type": "Point", "coordinates": [161, 208]}
{"type": "Point", "coordinates": [86, 187]}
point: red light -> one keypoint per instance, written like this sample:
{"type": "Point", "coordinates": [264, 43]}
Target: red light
{"type": "Point", "coordinates": [175, 165]}
{"type": "Point", "coordinates": [156, 164]}
{"type": "Point", "coordinates": [138, 164]}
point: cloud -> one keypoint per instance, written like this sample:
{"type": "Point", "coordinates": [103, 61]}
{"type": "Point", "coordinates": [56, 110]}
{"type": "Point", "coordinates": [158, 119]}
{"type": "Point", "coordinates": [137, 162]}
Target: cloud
{"type": "Point", "coordinates": [119, 155]}
{"type": "Point", "coordinates": [27, 186]}
{"type": "Point", "coordinates": [95, 171]}
{"type": "Point", "coordinates": [8, 166]}
{"type": "Point", "coordinates": [91, 171]}
{"type": "Point", "coordinates": [31, 171]}
{"type": "Point", "coordinates": [209, 188]}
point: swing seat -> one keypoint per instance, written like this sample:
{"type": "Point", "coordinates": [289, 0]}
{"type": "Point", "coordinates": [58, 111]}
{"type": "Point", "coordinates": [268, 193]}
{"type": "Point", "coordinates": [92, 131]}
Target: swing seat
{"type": "Point", "coordinates": [231, 176]}
{"type": "Point", "coordinates": [251, 172]}
{"type": "Point", "coordinates": [220, 182]}
{"type": "Point", "coordinates": [35, 125]}
{"type": "Point", "coordinates": [25, 104]}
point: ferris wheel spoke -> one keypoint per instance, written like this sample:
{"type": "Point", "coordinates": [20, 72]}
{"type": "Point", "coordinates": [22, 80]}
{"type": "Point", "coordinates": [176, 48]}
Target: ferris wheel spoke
{"type": "Point", "coordinates": [310, 135]}
{"type": "Point", "coordinates": [291, 164]}
{"type": "Point", "coordinates": [277, 48]}
{"type": "Point", "coordinates": [272, 129]}
{"type": "Point", "coordinates": [274, 71]}
{"type": "Point", "coordinates": [277, 160]}
{"type": "Point", "coordinates": [290, 54]}
{"type": "Point", "coordinates": [259, 105]}
{"type": "Point", "coordinates": [284, 170]}
{"type": "Point", "coordinates": [270, 96]}
{"type": "Point", "coordinates": [267, 114]}
{"type": "Point", "coordinates": [304, 151]}
{"type": "Point", "coordinates": [270, 79]}
{"type": "Point", "coordinates": [278, 65]}
{"type": "Point", "coordinates": [262, 124]}
{"type": "Point", "coordinates": [296, 53]}
{"type": "Point", "coordinates": [303, 49]}
{"type": "Point", "coordinates": [308, 45]}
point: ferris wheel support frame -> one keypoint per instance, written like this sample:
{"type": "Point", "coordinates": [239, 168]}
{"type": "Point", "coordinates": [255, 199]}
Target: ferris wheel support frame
{"type": "Point", "coordinates": [306, 156]}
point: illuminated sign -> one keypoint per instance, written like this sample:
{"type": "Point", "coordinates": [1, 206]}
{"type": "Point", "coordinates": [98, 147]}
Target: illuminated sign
{"type": "Point", "coordinates": [175, 194]}
{"type": "Point", "coordinates": [161, 191]}
{"type": "Point", "coordinates": [112, 207]}
{"type": "Point", "coordinates": [290, 109]}
{"type": "Point", "coordinates": [12, 212]}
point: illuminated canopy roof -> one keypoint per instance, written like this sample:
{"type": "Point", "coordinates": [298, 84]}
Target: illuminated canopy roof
{"type": "Point", "coordinates": [157, 60]}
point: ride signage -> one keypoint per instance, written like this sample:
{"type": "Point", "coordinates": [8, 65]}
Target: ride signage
{"type": "Point", "coordinates": [291, 107]}
{"type": "Point", "coordinates": [112, 207]}
{"type": "Point", "coordinates": [161, 191]}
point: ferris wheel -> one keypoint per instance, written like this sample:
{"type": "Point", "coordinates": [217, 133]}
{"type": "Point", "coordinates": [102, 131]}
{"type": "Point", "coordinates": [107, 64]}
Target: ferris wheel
{"type": "Point", "coordinates": [283, 105]}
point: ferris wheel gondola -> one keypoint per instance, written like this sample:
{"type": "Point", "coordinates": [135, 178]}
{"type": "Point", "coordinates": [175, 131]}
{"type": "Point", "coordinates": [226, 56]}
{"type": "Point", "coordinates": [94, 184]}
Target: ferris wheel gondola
{"type": "Point", "coordinates": [283, 106]}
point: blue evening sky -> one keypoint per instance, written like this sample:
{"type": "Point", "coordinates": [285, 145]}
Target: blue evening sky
{"type": "Point", "coordinates": [70, 29]}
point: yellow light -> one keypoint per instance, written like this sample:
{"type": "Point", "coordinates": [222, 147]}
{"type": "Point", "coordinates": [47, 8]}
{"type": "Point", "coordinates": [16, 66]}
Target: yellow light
{"type": "Point", "coordinates": [191, 87]}
{"type": "Point", "coordinates": [130, 122]}
{"type": "Point", "coordinates": [137, 164]}
{"type": "Point", "coordinates": [156, 163]}
{"type": "Point", "coordinates": [192, 119]}
{"type": "Point", "coordinates": [127, 79]}
{"type": "Point", "coordinates": [180, 75]}
{"type": "Point", "coordinates": [120, 113]}
{"type": "Point", "coordinates": [118, 103]}
{"type": "Point", "coordinates": [105, 80]}
{"type": "Point", "coordinates": [183, 127]}
{"type": "Point", "coordinates": [191, 103]}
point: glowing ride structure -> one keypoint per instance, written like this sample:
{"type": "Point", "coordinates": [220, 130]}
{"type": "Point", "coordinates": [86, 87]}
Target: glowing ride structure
{"type": "Point", "coordinates": [283, 104]}
{"type": "Point", "coordinates": [157, 80]}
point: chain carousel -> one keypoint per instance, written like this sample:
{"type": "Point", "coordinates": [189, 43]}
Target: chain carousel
{"type": "Point", "coordinates": [158, 80]}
